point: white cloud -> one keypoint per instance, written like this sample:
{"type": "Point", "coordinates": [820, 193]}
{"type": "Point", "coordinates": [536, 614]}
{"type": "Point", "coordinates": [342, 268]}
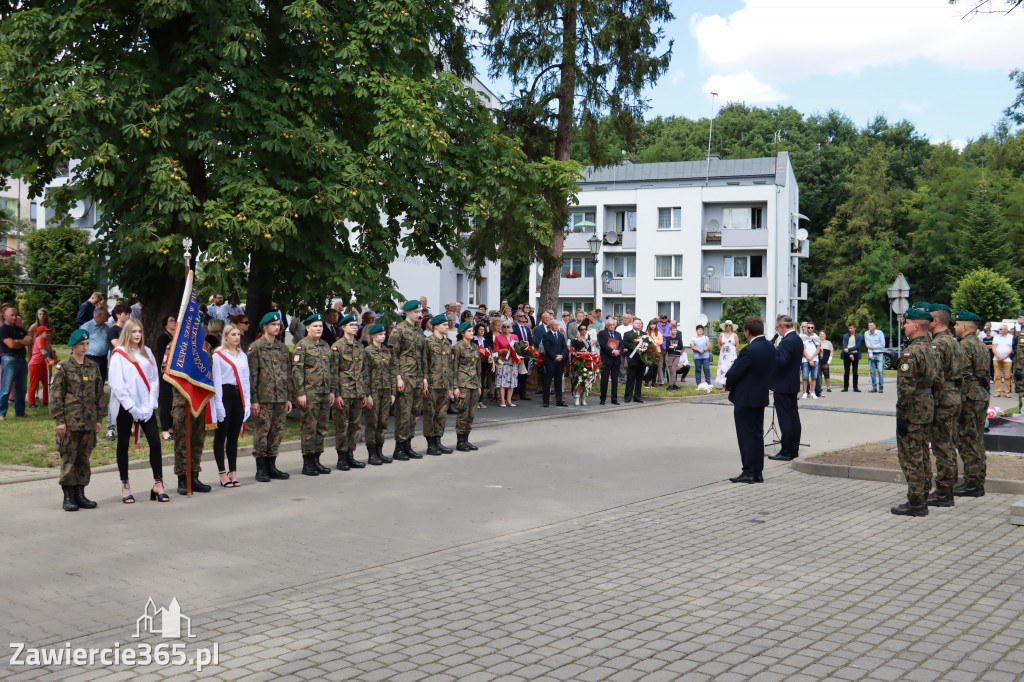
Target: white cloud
{"type": "Point", "coordinates": [676, 76]}
{"type": "Point", "coordinates": [955, 144]}
{"type": "Point", "coordinates": [742, 87]}
{"type": "Point", "coordinates": [791, 39]}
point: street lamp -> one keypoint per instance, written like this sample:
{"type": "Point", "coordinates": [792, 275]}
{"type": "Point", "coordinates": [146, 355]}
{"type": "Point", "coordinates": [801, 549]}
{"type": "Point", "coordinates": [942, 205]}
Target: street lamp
{"type": "Point", "coordinates": [594, 244]}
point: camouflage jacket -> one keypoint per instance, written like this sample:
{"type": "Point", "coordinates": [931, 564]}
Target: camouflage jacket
{"type": "Point", "coordinates": [378, 369]}
{"type": "Point", "coordinates": [466, 362]}
{"type": "Point", "coordinates": [348, 368]}
{"type": "Point", "coordinates": [269, 371]}
{"type": "Point", "coordinates": [440, 370]}
{"type": "Point", "coordinates": [977, 360]}
{"type": "Point", "coordinates": [409, 348]}
{"type": "Point", "coordinates": [76, 395]}
{"type": "Point", "coordinates": [952, 360]}
{"type": "Point", "coordinates": [1018, 354]}
{"type": "Point", "coordinates": [312, 371]}
{"type": "Point", "coordinates": [918, 372]}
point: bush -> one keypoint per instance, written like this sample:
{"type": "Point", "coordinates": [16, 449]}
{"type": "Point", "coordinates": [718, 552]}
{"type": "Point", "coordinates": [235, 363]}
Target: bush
{"type": "Point", "coordinates": [58, 255]}
{"type": "Point", "coordinates": [987, 294]}
{"type": "Point", "coordinates": [739, 308]}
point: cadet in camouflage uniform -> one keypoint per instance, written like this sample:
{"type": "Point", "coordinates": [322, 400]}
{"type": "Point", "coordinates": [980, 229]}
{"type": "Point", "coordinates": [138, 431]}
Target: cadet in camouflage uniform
{"type": "Point", "coordinates": [971, 430]}
{"type": "Point", "coordinates": [440, 376]}
{"type": "Point", "coordinates": [76, 405]}
{"type": "Point", "coordinates": [918, 374]}
{"type": "Point", "coordinates": [378, 368]}
{"type": "Point", "coordinates": [313, 383]}
{"type": "Point", "coordinates": [1018, 359]}
{"type": "Point", "coordinates": [346, 354]}
{"type": "Point", "coordinates": [466, 365]}
{"type": "Point", "coordinates": [409, 348]}
{"type": "Point", "coordinates": [180, 413]}
{"type": "Point", "coordinates": [270, 381]}
{"type": "Point", "coordinates": [947, 407]}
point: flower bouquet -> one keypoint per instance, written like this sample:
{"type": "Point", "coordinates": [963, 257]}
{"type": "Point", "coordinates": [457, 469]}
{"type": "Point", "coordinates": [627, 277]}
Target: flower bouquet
{"type": "Point", "coordinates": [526, 351]}
{"type": "Point", "coordinates": [647, 351]}
{"type": "Point", "coordinates": [587, 367]}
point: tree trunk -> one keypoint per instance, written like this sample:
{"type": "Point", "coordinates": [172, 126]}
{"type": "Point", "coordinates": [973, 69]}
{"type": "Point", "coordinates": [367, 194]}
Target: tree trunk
{"type": "Point", "coordinates": [257, 296]}
{"type": "Point", "coordinates": [156, 304]}
{"type": "Point", "coordinates": [549, 287]}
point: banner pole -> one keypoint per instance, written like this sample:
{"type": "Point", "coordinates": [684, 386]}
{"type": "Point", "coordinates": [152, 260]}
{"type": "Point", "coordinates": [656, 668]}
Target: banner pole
{"type": "Point", "coordinates": [187, 243]}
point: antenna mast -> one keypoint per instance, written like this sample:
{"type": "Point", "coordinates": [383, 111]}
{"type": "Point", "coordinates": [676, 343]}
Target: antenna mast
{"type": "Point", "coordinates": [711, 127]}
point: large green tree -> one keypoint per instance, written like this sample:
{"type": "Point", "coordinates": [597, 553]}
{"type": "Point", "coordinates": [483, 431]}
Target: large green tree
{"type": "Point", "coordinates": [302, 141]}
{"type": "Point", "coordinates": [572, 62]}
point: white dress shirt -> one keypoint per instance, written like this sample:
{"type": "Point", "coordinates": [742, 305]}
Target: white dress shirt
{"type": "Point", "coordinates": [223, 374]}
{"type": "Point", "coordinates": [128, 388]}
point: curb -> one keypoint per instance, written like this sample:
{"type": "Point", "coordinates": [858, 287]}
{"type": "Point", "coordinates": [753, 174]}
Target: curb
{"type": "Point", "coordinates": [992, 485]}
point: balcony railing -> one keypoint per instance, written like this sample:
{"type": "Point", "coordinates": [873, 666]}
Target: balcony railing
{"type": "Point", "coordinates": [712, 236]}
{"type": "Point", "coordinates": [710, 285]}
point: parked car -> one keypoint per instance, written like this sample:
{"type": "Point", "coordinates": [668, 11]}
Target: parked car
{"type": "Point", "coordinates": [890, 356]}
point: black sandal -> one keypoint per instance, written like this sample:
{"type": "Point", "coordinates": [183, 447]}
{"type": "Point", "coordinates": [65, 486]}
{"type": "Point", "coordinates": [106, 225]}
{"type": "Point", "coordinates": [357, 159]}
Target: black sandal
{"type": "Point", "coordinates": [154, 496]}
{"type": "Point", "coordinates": [128, 499]}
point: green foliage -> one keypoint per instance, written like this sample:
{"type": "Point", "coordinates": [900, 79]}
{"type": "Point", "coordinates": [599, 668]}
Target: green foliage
{"type": "Point", "coordinates": [59, 255]}
{"type": "Point", "coordinates": [739, 308]}
{"type": "Point", "coordinates": [10, 271]}
{"type": "Point", "coordinates": [983, 237]}
{"type": "Point", "coordinates": [987, 294]}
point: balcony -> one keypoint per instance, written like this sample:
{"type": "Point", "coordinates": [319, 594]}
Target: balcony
{"type": "Point", "coordinates": [710, 285]}
{"type": "Point", "coordinates": [627, 240]}
{"type": "Point", "coordinates": [577, 241]}
{"type": "Point", "coordinates": [802, 295]}
{"type": "Point", "coordinates": [732, 239]}
{"type": "Point", "coordinates": [576, 286]}
{"type": "Point", "coordinates": [713, 237]}
{"type": "Point", "coordinates": [800, 249]}
{"type": "Point", "coordinates": [623, 286]}
{"type": "Point", "coordinates": [744, 286]}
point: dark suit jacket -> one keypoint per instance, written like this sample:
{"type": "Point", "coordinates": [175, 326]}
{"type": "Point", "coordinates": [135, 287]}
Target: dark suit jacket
{"type": "Point", "coordinates": [538, 333]}
{"type": "Point", "coordinates": [749, 377]}
{"type": "Point", "coordinates": [553, 348]}
{"type": "Point", "coordinates": [858, 341]}
{"type": "Point", "coordinates": [788, 357]}
{"type": "Point", "coordinates": [627, 347]}
{"type": "Point", "coordinates": [523, 332]}
{"type": "Point", "coordinates": [606, 353]}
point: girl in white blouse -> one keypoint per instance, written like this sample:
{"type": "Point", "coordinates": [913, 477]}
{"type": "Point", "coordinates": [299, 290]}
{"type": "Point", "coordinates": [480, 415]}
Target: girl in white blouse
{"type": "Point", "coordinates": [230, 403]}
{"type": "Point", "coordinates": [135, 386]}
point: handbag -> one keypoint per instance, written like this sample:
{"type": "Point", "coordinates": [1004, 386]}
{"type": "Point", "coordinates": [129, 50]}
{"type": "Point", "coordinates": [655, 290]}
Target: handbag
{"type": "Point", "coordinates": [522, 367]}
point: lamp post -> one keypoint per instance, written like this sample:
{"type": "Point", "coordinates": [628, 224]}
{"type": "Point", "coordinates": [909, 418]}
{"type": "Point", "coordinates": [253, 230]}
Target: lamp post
{"type": "Point", "coordinates": [594, 244]}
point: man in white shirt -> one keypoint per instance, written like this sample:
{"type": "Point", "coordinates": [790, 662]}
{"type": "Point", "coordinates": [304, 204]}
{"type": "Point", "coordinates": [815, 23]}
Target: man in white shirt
{"type": "Point", "coordinates": [875, 342]}
{"type": "Point", "coordinates": [216, 309]}
{"type": "Point", "coordinates": [1002, 350]}
{"type": "Point", "coordinates": [809, 366]}
{"type": "Point", "coordinates": [627, 325]}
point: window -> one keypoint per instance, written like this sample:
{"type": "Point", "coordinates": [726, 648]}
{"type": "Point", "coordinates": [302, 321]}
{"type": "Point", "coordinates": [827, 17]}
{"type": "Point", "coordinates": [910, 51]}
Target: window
{"type": "Point", "coordinates": [473, 298]}
{"type": "Point", "coordinates": [622, 266]}
{"type": "Point", "coordinates": [670, 218]}
{"type": "Point", "coordinates": [571, 307]}
{"type": "Point", "coordinates": [736, 218]}
{"type": "Point", "coordinates": [619, 309]}
{"type": "Point", "coordinates": [736, 266]}
{"type": "Point", "coordinates": [757, 266]}
{"type": "Point", "coordinates": [756, 218]}
{"type": "Point", "coordinates": [5, 204]}
{"type": "Point", "coordinates": [670, 308]}
{"type": "Point", "coordinates": [33, 210]}
{"type": "Point", "coordinates": [583, 266]}
{"type": "Point", "coordinates": [668, 267]}
{"type": "Point", "coordinates": [625, 221]}
{"type": "Point", "coordinates": [578, 216]}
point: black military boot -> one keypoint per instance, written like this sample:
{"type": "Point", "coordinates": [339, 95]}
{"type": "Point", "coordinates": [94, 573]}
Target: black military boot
{"type": "Point", "coordinates": [432, 448]}
{"type": "Point", "coordinates": [940, 497]}
{"type": "Point", "coordinates": [353, 463]}
{"type": "Point", "coordinates": [197, 485]}
{"type": "Point", "coordinates": [183, 485]}
{"type": "Point", "coordinates": [399, 452]}
{"type": "Point", "coordinates": [374, 458]}
{"type": "Point", "coordinates": [308, 469]}
{"type": "Point", "coordinates": [407, 445]}
{"type": "Point", "coordinates": [964, 490]}
{"type": "Point", "coordinates": [441, 446]}
{"type": "Point", "coordinates": [273, 471]}
{"type": "Point", "coordinates": [342, 460]}
{"type": "Point", "coordinates": [320, 467]}
{"type": "Point", "coordinates": [380, 453]}
{"type": "Point", "coordinates": [909, 508]}
{"type": "Point", "coordinates": [261, 470]}
{"type": "Point", "coordinates": [468, 444]}
{"type": "Point", "coordinates": [83, 501]}
{"type": "Point", "coordinates": [69, 498]}
{"type": "Point", "coordinates": [461, 446]}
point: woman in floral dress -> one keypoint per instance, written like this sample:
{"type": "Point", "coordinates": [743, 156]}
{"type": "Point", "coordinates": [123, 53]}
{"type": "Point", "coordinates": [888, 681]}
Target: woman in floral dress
{"type": "Point", "coordinates": [728, 343]}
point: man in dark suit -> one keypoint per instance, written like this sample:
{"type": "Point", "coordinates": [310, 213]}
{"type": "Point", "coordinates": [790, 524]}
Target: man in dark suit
{"type": "Point", "coordinates": [747, 382]}
{"type": "Point", "coordinates": [852, 341]}
{"type": "Point", "coordinates": [556, 352]}
{"type": "Point", "coordinates": [520, 329]}
{"type": "Point", "coordinates": [635, 367]}
{"type": "Point", "coordinates": [786, 387]}
{"type": "Point", "coordinates": [539, 331]}
{"type": "Point", "coordinates": [610, 355]}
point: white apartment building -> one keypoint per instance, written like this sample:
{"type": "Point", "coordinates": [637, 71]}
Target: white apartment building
{"type": "Point", "coordinates": [680, 237]}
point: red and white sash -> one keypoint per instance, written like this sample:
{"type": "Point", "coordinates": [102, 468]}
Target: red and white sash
{"type": "Point", "coordinates": [144, 380]}
{"type": "Point", "coordinates": [238, 379]}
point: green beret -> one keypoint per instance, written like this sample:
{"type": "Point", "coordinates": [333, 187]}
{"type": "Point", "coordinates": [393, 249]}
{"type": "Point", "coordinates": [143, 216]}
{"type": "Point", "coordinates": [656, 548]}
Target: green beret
{"type": "Point", "coordinates": [1020, 313]}
{"type": "Point", "coordinates": [315, 317]}
{"type": "Point", "coordinates": [920, 305]}
{"type": "Point", "coordinates": [377, 329]}
{"type": "Point", "coordinates": [464, 326]}
{"type": "Point", "coordinates": [964, 316]}
{"type": "Point", "coordinates": [78, 336]}
{"type": "Point", "coordinates": [274, 316]}
{"type": "Point", "coordinates": [438, 319]}
{"type": "Point", "coordinates": [938, 306]}
{"type": "Point", "coordinates": [410, 306]}
{"type": "Point", "coordinates": [918, 314]}
{"type": "Point", "coordinates": [345, 320]}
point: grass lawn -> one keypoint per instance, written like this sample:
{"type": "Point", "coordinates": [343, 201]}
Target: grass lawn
{"type": "Point", "coordinates": [31, 441]}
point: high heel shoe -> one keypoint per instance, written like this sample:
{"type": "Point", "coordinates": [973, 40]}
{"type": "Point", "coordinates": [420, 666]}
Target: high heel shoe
{"type": "Point", "coordinates": [233, 479]}
{"type": "Point", "coordinates": [126, 499]}
{"type": "Point", "coordinates": [225, 482]}
{"type": "Point", "coordinates": [154, 496]}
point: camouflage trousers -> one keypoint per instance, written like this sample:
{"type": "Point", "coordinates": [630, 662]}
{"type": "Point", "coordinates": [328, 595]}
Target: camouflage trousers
{"type": "Point", "coordinates": [408, 406]}
{"type": "Point", "coordinates": [346, 423]}
{"type": "Point", "coordinates": [435, 414]}
{"type": "Point", "coordinates": [314, 423]}
{"type": "Point", "coordinates": [971, 440]}
{"type": "Point", "coordinates": [74, 448]}
{"type": "Point", "coordinates": [376, 418]}
{"type": "Point", "coordinates": [915, 462]}
{"type": "Point", "coordinates": [179, 414]}
{"type": "Point", "coordinates": [466, 405]}
{"type": "Point", "coordinates": [268, 429]}
{"type": "Point", "coordinates": [944, 428]}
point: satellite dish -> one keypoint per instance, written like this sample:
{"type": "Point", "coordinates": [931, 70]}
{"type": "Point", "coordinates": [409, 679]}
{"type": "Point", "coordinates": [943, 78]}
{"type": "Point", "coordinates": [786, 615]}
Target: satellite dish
{"type": "Point", "coordinates": [702, 320]}
{"type": "Point", "coordinates": [712, 225]}
{"type": "Point", "coordinates": [78, 210]}
{"type": "Point", "coordinates": [801, 234]}
{"type": "Point", "coordinates": [606, 276]}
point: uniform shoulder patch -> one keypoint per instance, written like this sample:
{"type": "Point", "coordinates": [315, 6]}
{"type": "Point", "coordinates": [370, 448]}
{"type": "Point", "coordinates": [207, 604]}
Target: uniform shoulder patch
{"type": "Point", "coordinates": [298, 347]}
{"type": "Point", "coordinates": [904, 367]}
{"type": "Point", "coordinates": [906, 355]}
{"type": "Point", "coordinates": [296, 358]}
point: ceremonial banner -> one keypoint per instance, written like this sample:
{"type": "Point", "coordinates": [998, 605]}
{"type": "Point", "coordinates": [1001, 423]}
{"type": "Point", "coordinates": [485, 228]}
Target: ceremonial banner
{"type": "Point", "coordinates": [188, 366]}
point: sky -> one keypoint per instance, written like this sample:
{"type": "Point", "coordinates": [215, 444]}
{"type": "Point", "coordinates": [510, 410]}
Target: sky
{"type": "Point", "coordinates": [920, 60]}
